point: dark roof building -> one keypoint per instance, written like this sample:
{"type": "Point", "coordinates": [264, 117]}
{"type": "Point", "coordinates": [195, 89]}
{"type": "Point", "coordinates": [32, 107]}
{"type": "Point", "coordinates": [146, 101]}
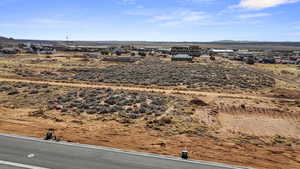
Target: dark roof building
{"type": "Point", "coordinates": [2, 54]}
{"type": "Point", "coordinates": [195, 51]}
{"type": "Point", "coordinates": [129, 59]}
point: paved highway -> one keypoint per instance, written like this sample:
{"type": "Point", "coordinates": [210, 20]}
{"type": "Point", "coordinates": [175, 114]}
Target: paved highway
{"type": "Point", "coordinates": [18, 152]}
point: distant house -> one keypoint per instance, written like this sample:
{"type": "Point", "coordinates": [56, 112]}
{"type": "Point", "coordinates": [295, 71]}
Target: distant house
{"type": "Point", "coordinates": [127, 47]}
{"type": "Point", "coordinates": [2, 54]}
{"type": "Point", "coordinates": [297, 53]}
{"type": "Point", "coordinates": [93, 54]}
{"type": "Point", "coordinates": [118, 51]}
{"type": "Point", "coordinates": [129, 59]}
{"type": "Point", "coordinates": [164, 50]}
{"type": "Point", "coordinates": [269, 60]}
{"type": "Point", "coordinates": [83, 48]}
{"type": "Point", "coordinates": [182, 57]}
{"type": "Point", "coordinates": [195, 51]}
{"type": "Point", "coordinates": [47, 51]}
{"type": "Point", "coordinates": [10, 50]}
{"type": "Point", "coordinates": [222, 52]}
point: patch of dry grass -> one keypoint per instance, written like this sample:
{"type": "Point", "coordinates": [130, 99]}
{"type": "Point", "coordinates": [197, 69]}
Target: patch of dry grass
{"type": "Point", "coordinates": [285, 70]}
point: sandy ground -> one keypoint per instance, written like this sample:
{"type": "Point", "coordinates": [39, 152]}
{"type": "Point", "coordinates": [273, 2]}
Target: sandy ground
{"type": "Point", "coordinates": [238, 136]}
{"type": "Point", "coordinates": [139, 138]}
{"type": "Point", "coordinates": [260, 126]}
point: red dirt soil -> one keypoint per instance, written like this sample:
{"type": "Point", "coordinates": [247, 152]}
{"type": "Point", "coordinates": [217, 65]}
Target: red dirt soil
{"type": "Point", "coordinates": [137, 137]}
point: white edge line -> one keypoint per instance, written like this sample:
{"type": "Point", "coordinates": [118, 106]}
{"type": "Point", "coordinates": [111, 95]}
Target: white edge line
{"type": "Point", "coordinates": [20, 165]}
{"type": "Point", "coordinates": [125, 152]}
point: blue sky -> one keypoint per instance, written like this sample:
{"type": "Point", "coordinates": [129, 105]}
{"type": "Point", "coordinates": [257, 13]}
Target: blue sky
{"type": "Point", "coordinates": [151, 20]}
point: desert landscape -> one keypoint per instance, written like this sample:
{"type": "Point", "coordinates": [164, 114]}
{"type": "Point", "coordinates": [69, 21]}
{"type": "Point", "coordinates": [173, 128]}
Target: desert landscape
{"type": "Point", "coordinates": [145, 84]}
{"type": "Point", "coordinates": [219, 110]}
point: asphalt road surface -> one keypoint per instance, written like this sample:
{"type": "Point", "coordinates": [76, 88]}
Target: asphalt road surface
{"type": "Point", "coordinates": [18, 152]}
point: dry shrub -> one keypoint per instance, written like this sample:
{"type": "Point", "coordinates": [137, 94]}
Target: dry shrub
{"type": "Point", "coordinates": [198, 102]}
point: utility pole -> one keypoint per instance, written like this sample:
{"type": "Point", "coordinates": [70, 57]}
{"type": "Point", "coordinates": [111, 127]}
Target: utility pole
{"type": "Point", "coordinates": [68, 57]}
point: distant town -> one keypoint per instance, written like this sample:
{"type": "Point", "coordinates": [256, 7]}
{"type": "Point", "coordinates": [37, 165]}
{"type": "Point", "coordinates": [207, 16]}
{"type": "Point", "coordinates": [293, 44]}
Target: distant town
{"type": "Point", "coordinates": [126, 52]}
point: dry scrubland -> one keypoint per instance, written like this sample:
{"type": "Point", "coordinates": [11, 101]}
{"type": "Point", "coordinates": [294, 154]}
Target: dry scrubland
{"type": "Point", "coordinates": [154, 72]}
{"type": "Point", "coordinates": [285, 70]}
{"type": "Point", "coordinates": [221, 111]}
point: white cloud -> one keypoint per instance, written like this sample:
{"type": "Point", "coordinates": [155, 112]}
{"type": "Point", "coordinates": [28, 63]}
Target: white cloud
{"type": "Point", "coordinates": [184, 16]}
{"type": "Point", "coordinates": [141, 11]}
{"type": "Point", "coordinates": [293, 34]}
{"type": "Point", "coordinates": [180, 16]}
{"type": "Point", "coordinates": [171, 23]}
{"type": "Point", "coordinates": [261, 4]}
{"type": "Point", "coordinates": [254, 15]}
{"type": "Point", "coordinates": [162, 18]}
{"type": "Point", "coordinates": [50, 21]}
{"type": "Point", "coordinates": [128, 2]}
{"type": "Point", "coordinates": [193, 16]}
